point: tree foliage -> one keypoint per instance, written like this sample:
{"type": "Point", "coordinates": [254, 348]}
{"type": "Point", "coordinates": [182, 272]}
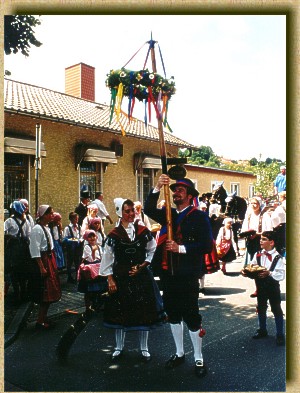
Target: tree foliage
{"type": "Point", "coordinates": [266, 171]}
{"type": "Point", "coordinates": [204, 156]}
{"type": "Point", "coordinates": [19, 33]}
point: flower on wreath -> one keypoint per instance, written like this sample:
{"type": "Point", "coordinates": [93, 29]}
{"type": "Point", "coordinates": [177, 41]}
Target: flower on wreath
{"type": "Point", "coordinates": [151, 76]}
{"type": "Point", "coordinates": [139, 76]}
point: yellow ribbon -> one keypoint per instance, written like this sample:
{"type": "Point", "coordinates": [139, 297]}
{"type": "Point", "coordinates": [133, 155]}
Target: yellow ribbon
{"type": "Point", "coordinates": [119, 101]}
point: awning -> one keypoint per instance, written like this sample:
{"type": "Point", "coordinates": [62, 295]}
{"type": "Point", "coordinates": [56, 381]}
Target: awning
{"type": "Point", "coordinates": [22, 146]}
{"type": "Point", "coordinates": [142, 160]}
{"type": "Point", "coordinates": [152, 163]}
{"type": "Point", "coordinates": [84, 153]}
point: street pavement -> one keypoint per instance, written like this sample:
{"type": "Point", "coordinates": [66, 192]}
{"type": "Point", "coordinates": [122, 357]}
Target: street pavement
{"type": "Point", "coordinates": [234, 360]}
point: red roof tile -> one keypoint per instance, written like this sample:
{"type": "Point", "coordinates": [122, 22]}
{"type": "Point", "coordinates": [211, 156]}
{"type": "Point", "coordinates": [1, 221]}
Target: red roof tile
{"type": "Point", "coordinates": [52, 105]}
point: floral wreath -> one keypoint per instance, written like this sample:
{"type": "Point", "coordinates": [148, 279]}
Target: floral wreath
{"type": "Point", "coordinates": [138, 83]}
{"type": "Point", "coordinates": [146, 86]}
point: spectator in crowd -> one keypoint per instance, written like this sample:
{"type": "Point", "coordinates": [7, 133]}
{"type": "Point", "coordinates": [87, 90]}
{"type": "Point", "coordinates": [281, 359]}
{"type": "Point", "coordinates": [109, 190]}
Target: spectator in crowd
{"type": "Point", "coordinates": [92, 255]}
{"type": "Point", "coordinates": [268, 287]}
{"type": "Point", "coordinates": [44, 281]}
{"type": "Point", "coordinates": [278, 218]}
{"type": "Point", "coordinates": [140, 215]}
{"type": "Point", "coordinates": [225, 237]}
{"type": "Point", "coordinates": [27, 214]}
{"type": "Point", "coordinates": [102, 212]}
{"type": "Point", "coordinates": [255, 222]}
{"type": "Point", "coordinates": [203, 206]}
{"type": "Point", "coordinates": [280, 181]}
{"type": "Point", "coordinates": [96, 225]}
{"type": "Point", "coordinates": [92, 211]}
{"type": "Point", "coordinates": [16, 251]}
{"type": "Point", "coordinates": [73, 245]}
{"type": "Point", "coordinates": [179, 279]}
{"type": "Point", "coordinates": [134, 303]}
{"type": "Point", "coordinates": [214, 208]}
{"type": "Point", "coordinates": [56, 230]}
{"type": "Point", "coordinates": [82, 208]}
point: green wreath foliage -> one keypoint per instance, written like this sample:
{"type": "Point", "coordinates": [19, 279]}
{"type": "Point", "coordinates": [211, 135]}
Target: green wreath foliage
{"type": "Point", "coordinates": [136, 83]}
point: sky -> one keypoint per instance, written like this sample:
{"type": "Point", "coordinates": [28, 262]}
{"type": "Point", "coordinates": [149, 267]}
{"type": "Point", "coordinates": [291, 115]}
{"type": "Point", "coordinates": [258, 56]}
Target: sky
{"type": "Point", "coordinates": [229, 71]}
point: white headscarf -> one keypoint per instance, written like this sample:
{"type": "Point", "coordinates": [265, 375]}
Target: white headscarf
{"type": "Point", "coordinates": [41, 210]}
{"type": "Point", "coordinates": [119, 204]}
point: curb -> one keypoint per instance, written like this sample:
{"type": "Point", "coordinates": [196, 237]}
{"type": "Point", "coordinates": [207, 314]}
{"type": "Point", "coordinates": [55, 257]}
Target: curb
{"type": "Point", "coordinates": [17, 323]}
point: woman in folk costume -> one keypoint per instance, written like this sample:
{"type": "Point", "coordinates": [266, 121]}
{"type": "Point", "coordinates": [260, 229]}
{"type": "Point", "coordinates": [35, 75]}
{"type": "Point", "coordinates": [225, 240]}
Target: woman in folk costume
{"type": "Point", "coordinates": [134, 302]}
{"type": "Point", "coordinates": [44, 281]}
{"type": "Point", "coordinates": [226, 236]}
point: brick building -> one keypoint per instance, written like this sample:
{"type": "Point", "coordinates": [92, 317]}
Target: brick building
{"type": "Point", "coordinates": [80, 149]}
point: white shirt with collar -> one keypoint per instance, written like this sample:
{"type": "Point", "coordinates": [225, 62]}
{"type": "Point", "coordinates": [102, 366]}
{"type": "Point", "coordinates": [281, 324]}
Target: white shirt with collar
{"type": "Point", "coordinates": [279, 272]}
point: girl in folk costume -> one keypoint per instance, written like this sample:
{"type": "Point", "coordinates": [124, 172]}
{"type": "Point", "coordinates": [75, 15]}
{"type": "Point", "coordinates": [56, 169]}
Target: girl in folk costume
{"type": "Point", "coordinates": [92, 213]}
{"type": "Point", "coordinates": [44, 281]}
{"type": "Point", "coordinates": [96, 225]}
{"type": "Point", "coordinates": [224, 243]}
{"type": "Point", "coordinates": [89, 280]}
{"type": "Point", "coordinates": [134, 302]}
{"type": "Point", "coordinates": [57, 234]}
{"type": "Point", "coordinates": [73, 245]}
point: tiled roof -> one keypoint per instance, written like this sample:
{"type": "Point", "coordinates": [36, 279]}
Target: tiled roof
{"type": "Point", "coordinates": [51, 105]}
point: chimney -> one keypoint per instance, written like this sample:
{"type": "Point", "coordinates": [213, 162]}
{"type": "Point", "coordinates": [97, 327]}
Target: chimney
{"type": "Point", "coordinates": [80, 81]}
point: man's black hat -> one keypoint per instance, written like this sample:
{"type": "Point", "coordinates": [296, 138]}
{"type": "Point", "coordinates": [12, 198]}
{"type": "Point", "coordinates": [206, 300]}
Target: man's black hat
{"type": "Point", "coordinates": [186, 183]}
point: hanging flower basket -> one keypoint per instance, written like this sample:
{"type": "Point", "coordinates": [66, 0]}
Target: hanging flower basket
{"type": "Point", "coordinates": [137, 83]}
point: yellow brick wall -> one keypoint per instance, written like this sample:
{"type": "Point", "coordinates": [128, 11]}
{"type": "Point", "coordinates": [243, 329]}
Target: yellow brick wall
{"type": "Point", "coordinates": [59, 180]}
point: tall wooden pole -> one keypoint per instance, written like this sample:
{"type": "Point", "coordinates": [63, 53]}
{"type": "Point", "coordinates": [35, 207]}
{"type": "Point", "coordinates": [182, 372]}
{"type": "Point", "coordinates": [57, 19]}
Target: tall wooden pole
{"type": "Point", "coordinates": [163, 155]}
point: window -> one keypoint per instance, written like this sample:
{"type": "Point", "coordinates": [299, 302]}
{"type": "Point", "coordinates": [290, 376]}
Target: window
{"type": "Point", "coordinates": [235, 187]}
{"type": "Point", "coordinates": [91, 175]}
{"type": "Point", "coordinates": [145, 181]}
{"type": "Point", "coordinates": [251, 191]}
{"type": "Point", "coordinates": [15, 177]}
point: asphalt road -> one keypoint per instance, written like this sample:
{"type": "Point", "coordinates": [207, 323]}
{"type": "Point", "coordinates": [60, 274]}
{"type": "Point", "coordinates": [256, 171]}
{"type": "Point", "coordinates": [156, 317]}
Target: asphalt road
{"type": "Point", "coordinates": [235, 361]}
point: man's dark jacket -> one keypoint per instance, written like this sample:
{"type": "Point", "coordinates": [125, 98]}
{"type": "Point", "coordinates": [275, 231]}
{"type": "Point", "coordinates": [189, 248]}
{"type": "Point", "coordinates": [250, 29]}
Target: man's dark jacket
{"type": "Point", "coordinates": [196, 236]}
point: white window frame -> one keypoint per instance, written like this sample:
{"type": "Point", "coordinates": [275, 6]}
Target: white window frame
{"type": "Point", "coordinates": [235, 186]}
{"type": "Point", "coordinates": [251, 190]}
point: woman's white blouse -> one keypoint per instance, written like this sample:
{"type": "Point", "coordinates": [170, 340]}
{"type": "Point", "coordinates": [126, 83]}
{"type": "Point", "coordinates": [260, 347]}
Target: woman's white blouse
{"type": "Point", "coordinates": [108, 258]}
{"type": "Point", "coordinates": [38, 241]}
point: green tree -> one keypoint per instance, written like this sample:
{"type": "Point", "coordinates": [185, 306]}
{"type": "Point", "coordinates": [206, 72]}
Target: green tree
{"type": "Point", "coordinates": [253, 161]}
{"type": "Point", "coordinates": [266, 175]}
{"type": "Point", "coordinates": [203, 156]}
{"type": "Point", "coordinates": [19, 33]}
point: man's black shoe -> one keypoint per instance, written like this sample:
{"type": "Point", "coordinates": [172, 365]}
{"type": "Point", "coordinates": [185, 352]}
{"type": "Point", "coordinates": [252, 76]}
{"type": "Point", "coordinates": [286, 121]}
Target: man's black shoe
{"type": "Point", "coordinates": [200, 369]}
{"type": "Point", "coordinates": [280, 341]}
{"type": "Point", "coordinates": [115, 357]}
{"type": "Point", "coordinates": [260, 334]}
{"type": "Point", "coordinates": [174, 361]}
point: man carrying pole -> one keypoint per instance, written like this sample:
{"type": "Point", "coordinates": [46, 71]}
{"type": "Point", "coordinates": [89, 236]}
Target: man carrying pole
{"type": "Point", "coordinates": [192, 239]}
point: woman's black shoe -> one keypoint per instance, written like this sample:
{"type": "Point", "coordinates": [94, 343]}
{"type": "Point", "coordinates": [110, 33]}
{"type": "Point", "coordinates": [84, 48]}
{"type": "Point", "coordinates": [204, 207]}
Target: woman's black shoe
{"type": "Point", "coordinates": [174, 361]}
